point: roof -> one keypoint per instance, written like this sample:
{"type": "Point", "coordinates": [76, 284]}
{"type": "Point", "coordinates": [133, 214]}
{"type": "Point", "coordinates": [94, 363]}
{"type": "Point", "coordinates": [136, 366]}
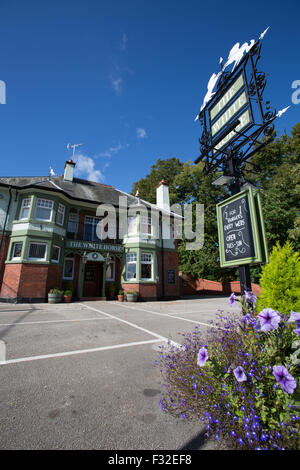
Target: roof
{"type": "Point", "coordinates": [78, 189]}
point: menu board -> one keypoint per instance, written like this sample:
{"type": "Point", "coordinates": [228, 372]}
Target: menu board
{"type": "Point", "coordinates": [237, 230]}
{"type": "Point", "coordinates": [171, 276]}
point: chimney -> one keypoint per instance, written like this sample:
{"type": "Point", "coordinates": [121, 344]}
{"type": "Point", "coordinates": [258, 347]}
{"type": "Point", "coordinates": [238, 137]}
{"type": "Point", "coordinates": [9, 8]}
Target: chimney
{"type": "Point", "coordinates": [162, 196]}
{"type": "Point", "coordinates": [69, 170]}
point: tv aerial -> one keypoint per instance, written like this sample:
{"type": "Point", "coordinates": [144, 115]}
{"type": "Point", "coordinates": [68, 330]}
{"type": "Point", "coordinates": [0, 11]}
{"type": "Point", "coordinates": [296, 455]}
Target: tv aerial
{"type": "Point", "coordinates": [73, 146]}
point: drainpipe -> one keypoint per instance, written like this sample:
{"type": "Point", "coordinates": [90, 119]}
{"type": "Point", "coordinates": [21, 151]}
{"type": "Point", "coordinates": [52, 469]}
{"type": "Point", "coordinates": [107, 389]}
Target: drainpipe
{"type": "Point", "coordinates": [162, 258]}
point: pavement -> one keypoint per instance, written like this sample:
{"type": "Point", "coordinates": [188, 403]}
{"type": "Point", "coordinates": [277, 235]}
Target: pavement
{"type": "Point", "coordinates": [83, 375]}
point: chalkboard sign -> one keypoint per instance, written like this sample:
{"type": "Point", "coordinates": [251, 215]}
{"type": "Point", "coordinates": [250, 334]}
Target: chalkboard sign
{"type": "Point", "coordinates": [171, 276]}
{"type": "Point", "coordinates": [241, 230]}
{"type": "Point", "coordinates": [237, 230]}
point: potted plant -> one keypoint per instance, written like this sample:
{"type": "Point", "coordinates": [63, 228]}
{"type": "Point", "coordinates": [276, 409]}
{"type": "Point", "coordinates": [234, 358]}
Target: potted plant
{"type": "Point", "coordinates": [68, 295]}
{"type": "Point", "coordinates": [55, 296]}
{"type": "Point", "coordinates": [131, 296]}
{"type": "Point", "coordinates": [121, 296]}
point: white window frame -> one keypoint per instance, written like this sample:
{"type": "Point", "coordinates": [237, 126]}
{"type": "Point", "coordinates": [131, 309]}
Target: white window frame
{"type": "Point", "coordinates": [113, 271]}
{"type": "Point", "coordinates": [37, 259]}
{"type": "Point", "coordinates": [93, 221]}
{"type": "Point", "coordinates": [74, 222]}
{"type": "Point", "coordinates": [68, 278]}
{"type": "Point", "coordinates": [130, 254]}
{"type": "Point", "coordinates": [135, 231]}
{"type": "Point", "coordinates": [23, 207]}
{"type": "Point", "coordinates": [12, 256]}
{"type": "Point", "coordinates": [147, 262]}
{"type": "Point", "coordinates": [50, 208]}
{"type": "Point", "coordinates": [149, 222]}
{"type": "Point", "coordinates": [55, 260]}
{"type": "Point", "coordinates": [61, 209]}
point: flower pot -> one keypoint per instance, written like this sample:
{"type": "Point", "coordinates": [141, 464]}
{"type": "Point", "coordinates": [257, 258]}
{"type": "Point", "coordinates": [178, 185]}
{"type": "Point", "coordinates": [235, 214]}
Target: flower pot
{"type": "Point", "coordinates": [54, 298]}
{"type": "Point", "coordinates": [121, 298]}
{"type": "Point", "coordinates": [67, 298]}
{"type": "Point", "coordinates": [131, 297]}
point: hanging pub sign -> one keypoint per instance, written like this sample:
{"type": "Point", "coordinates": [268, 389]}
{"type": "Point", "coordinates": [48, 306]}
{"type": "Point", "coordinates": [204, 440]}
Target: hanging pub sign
{"type": "Point", "coordinates": [241, 230]}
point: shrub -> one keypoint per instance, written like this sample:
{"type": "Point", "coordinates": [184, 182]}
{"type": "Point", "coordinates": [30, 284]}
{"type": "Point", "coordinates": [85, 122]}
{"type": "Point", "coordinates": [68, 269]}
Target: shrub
{"type": "Point", "coordinates": [68, 292]}
{"type": "Point", "coordinates": [280, 280]}
{"type": "Point", "coordinates": [121, 292]}
{"type": "Point", "coordinates": [239, 379]}
{"type": "Point", "coordinates": [55, 290]}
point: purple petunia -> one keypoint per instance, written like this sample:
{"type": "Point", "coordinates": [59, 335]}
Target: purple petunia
{"type": "Point", "coordinates": [250, 297]}
{"type": "Point", "coordinates": [232, 299]}
{"type": "Point", "coordinates": [269, 319]}
{"type": "Point", "coordinates": [202, 356]}
{"type": "Point", "coordinates": [285, 379]}
{"type": "Point", "coordinates": [239, 374]}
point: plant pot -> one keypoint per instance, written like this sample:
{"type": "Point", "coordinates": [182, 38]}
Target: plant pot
{"type": "Point", "coordinates": [131, 297]}
{"type": "Point", "coordinates": [54, 298]}
{"type": "Point", "coordinates": [67, 298]}
{"type": "Point", "coordinates": [121, 298]}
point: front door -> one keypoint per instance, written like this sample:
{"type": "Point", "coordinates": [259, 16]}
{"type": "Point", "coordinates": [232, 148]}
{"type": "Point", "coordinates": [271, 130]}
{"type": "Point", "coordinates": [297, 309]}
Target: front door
{"type": "Point", "coordinates": [92, 284]}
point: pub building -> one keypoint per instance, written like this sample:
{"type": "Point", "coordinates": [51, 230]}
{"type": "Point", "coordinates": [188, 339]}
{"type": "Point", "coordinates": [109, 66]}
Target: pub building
{"type": "Point", "coordinates": [50, 239]}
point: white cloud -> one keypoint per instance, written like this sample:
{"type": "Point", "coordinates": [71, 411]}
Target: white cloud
{"type": "Point", "coordinates": [124, 42]}
{"type": "Point", "coordinates": [141, 133]}
{"type": "Point", "coordinates": [117, 85]}
{"type": "Point", "coordinates": [85, 166]}
{"type": "Point", "coordinates": [112, 150]}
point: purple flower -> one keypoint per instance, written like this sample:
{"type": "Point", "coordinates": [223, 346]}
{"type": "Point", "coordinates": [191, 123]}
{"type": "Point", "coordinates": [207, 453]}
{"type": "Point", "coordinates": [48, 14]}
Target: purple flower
{"type": "Point", "coordinates": [232, 299]}
{"type": "Point", "coordinates": [285, 379]}
{"type": "Point", "coordinates": [295, 318]}
{"type": "Point", "coordinates": [269, 319]}
{"type": "Point", "coordinates": [239, 374]}
{"type": "Point", "coordinates": [250, 297]}
{"type": "Point", "coordinates": [202, 356]}
{"type": "Point", "coordinates": [230, 368]}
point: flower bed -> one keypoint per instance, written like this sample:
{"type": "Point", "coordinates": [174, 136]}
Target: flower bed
{"type": "Point", "coordinates": [240, 379]}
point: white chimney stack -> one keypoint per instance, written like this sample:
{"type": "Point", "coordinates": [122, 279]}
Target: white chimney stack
{"type": "Point", "coordinates": [162, 196]}
{"type": "Point", "coordinates": [69, 170]}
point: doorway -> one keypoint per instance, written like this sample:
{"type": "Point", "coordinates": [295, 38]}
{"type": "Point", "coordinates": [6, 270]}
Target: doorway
{"type": "Point", "coordinates": [93, 277]}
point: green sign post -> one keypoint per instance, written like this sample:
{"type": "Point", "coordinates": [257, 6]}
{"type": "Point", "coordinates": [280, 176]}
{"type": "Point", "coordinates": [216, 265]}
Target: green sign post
{"type": "Point", "coordinates": [242, 238]}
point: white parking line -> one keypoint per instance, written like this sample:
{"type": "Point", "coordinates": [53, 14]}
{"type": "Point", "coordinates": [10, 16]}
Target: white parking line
{"type": "Point", "coordinates": [80, 351]}
{"type": "Point", "coordinates": [162, 338]}
{"type": "Point", "coordinates": [170, 316]}
{"type": "Point", "coordinates": [50, 321]}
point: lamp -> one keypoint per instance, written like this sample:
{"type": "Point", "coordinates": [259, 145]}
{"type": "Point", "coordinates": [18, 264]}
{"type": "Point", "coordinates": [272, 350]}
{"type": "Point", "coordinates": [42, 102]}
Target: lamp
{"type": "Point", "coordinates": [224, 179]}
{"type": "Point", "coordinates": [84, 258]}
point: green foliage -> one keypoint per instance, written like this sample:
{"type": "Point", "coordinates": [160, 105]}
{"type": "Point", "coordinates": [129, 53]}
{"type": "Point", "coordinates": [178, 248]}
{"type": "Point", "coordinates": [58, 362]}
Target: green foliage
{"type": "Point", "coordinates": [55, 290]}
{"type": "Point", "coordinates": [280, 280]}
{"type": "Point", "coordinates": [68, 292]}
{"type": "Point", "coordinates": [278, 179]}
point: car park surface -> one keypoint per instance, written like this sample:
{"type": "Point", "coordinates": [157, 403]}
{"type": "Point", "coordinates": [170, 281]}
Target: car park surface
{"type": "Point", "coordinates": [83, 375]}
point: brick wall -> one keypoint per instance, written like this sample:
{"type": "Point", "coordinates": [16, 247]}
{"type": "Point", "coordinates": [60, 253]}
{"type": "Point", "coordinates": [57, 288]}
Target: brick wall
{"type": "Point", "coordinates": [207, 287]}
{"type": "Point", "coordinates": [3, 254]}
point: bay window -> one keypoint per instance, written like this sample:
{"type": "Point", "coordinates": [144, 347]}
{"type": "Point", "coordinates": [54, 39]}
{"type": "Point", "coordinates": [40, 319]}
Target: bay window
{"type": "Point", "coordinates": [130, 266]}
{"type": "Point", "coordinates": [146, 266]}
{"type": "Point", "coordinates": [43, 209]}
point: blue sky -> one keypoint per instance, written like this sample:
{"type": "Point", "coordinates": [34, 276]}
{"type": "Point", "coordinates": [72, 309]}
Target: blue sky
{"type": "Point", "coordinates": [126, 79]}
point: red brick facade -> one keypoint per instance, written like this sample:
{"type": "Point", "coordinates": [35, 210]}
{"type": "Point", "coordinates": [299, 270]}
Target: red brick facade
{"type": "Point", "coordinates": [206, 287]}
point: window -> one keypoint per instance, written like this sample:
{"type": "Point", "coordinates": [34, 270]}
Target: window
{"type": "Point", "coordinates": [16, 250]}
{"type": "Point", "coordinates": [24, 212]}
{"type": "Point", "coordinates": [73, 223]}
{"type": "Point", "coordinates": [60, 214]}
{"type": "Point", "coordinates": [146, 225]}
{"type": "Point", "coordinates": [37, 251]}
{"type": "Point", "coordinates": [43, 209]}
{"type": "Point", "coordinates": [132, 225]}
{"type": "Point", "coordinates": [130, 266]}
{"type": "Point", "coordinates": [110, 271]}
{"type": "Point", "coordinates": [146, 266]}
{"type": "Point", "coordinates": [171, 276]}
{"type": "Point", "coordinates": [90, 228]}
{"type": "Point", "coordinates": [68, 271]}
{"type": "Point", "coordinates": [55, 254]}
